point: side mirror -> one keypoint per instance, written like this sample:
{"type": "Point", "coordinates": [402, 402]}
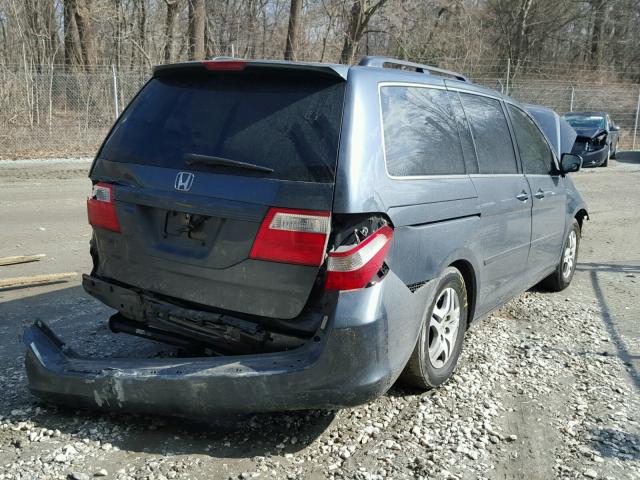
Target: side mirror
{"type": "Point", "coordinates": [570, 163]}
{"type": "Point", "coordinates": [614, 128]}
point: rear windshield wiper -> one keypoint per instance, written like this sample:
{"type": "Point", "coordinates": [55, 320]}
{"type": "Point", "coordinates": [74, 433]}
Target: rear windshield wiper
{"type": "Point", "coordinates": [195, 158]}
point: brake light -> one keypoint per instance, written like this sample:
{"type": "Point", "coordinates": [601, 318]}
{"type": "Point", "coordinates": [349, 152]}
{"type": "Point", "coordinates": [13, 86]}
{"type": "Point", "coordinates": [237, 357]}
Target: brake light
{"type": "Point", "coordinates": [355, 266]}
{"type": "Point", "coordinates": [101, 208]}
{"type": "Point", "coordinates": [225, 65]}
{"type": "Point", "coordinates": [292, 236]}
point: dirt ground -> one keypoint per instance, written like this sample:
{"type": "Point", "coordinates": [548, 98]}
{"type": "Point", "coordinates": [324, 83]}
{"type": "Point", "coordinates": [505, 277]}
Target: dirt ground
{"type": "Point", "coordinates": [548, 387]}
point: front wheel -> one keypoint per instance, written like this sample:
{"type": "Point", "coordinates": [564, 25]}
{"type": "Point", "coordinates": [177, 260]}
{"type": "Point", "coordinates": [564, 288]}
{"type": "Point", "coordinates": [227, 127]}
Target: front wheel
{"type": "Point", "coordinates": [440, 341]}
{"type": "Point", "coordinates": [561, 278]}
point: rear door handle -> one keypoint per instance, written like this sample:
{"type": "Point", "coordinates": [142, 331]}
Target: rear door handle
{"type": "Point", "coordinates": [539, 194]}
{"type": "Point", "coordinates": [522, 196]}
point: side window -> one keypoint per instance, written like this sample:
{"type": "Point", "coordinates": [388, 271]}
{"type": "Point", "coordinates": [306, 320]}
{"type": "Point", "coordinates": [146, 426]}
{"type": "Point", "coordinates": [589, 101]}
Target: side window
{"type": "Point", "coordinates": [535, 152]}
{"type": "Point", "coordinates": [420, 132]}
{"type": "Point", "coordinates": [490, 134]}
{"type": "Point", "coordinates": [470, 158]}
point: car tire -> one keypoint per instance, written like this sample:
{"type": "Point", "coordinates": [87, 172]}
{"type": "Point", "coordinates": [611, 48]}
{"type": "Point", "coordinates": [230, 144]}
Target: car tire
{"type": "Point", "coordinates": [563, 274]}
{"type": "Point", "coordinates": [439, 343]}
{"type": "Point", "coordinates": [615, 152]}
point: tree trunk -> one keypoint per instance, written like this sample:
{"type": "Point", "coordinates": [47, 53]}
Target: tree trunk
{"type": "Point", "coordinates": [251, 13]}
{"type": "Point", "coordinates": [85, 32]}
{"type": "Point", "coordinates": [361, 13]}
{"type": "Point", "coordinates": [599, 9]}
{"type": "Point", "coordinates": [173, 7]}
{"type": "Point", "coordinates": [351, 36]}
{"type": "Point", "coordinates": [291, 47]}
{"type": "Point", "coordinates": [521, 43]}
{"type": "Point", "coordinates": [51, 27]}
{"type": "Point", "coordinates": [72, 55]}
{"type": "Point", "coordinates": [142, 25]}
{"type": "Point", "coordinates": [196, 29]}
{"type": "Point", "coordinates": [119, 27]}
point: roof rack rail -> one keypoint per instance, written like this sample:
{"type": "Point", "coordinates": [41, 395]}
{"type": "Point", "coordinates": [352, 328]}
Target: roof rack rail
{"type": "Point", "coordinates": [428, 69]}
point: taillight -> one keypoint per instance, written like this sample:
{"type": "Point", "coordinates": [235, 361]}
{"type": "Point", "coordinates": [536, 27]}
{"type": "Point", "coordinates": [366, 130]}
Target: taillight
{"type": "Point", "coordinates": [353, 267]}
{"type": "Point", "coordinates": [101, 208]}
{"type": "Point", "coordinates": [292, 236]}
{"type": "Point", "coordinates": [225, 65]}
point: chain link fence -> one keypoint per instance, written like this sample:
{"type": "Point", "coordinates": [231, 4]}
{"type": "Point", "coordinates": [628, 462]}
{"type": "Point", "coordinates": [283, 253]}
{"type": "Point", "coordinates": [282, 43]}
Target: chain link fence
{"type": "Point", "coordinates": [57, 114]}
{"type": "Point", "coordinates": [54, 114]}
{"type": "Point", "coordinates": [620, 100]}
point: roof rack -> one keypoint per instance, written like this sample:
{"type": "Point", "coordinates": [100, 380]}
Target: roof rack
{"type": "Point", "coordinates": [380, 62]}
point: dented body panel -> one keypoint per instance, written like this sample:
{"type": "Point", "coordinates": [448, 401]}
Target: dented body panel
{"type": "Point", "coordinates": [180, 263]}
{"type": "Point", "coordinates": [355, 356]}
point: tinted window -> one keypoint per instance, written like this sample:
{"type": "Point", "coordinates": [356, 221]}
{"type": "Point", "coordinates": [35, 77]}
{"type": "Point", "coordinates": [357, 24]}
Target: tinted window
{"type": "Point", "coordinates": [420, 133]}
{"type": "Point", "coordinates": [291, 125]}
{"type": "Point", "coordinates": [585, 121]}
{"type": "Point", "coordinates": [490, 134]}
{"type": "Point", "coordinates": [468, 149]}
{"type": "Point", "coordinates": [550, 124]}
{"type": "Point", "coordinates": [535, 154]}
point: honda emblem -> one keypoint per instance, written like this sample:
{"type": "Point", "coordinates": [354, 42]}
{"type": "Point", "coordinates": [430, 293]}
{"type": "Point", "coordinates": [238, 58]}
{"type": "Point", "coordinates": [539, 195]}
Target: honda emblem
{"type": "Point", "coordinates": [184, 180]}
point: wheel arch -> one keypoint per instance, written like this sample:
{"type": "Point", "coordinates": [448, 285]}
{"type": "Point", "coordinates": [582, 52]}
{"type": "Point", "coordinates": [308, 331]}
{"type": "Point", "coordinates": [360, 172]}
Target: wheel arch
{"type": "Point", "coordinates": [470, 280]}
{"type": "Point", "coordinates": [580, 215]}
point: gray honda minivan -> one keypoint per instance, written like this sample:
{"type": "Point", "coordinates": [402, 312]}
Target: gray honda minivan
{"type": "Point", "coordinates": [310, 233]}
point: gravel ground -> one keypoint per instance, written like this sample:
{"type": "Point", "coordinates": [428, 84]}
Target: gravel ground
{"type": "Point", "coordinates": [547, 387]}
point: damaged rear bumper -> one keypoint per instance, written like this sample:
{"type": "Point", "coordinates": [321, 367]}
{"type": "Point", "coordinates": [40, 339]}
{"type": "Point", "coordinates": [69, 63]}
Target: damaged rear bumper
{"type": "Point", "coordinates": [355, 357]}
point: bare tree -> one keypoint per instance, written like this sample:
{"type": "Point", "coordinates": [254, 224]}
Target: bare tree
{"type": "Point", "coordinates": [72, 53]}
{"type": "Point", "coordinates": [173, 8]}
{"type": "Point", "coordinates": [290, 49]}
{"type": "Point", "coordinates": [196, 29]}
{"type": "Point", "coordinates": [598, 9]}
{"type": "Point", "coordinates": [460, 34]}
{"type": "Point", "coordinates": [84, 25]}
{"type": "Point", "coordinates": [360, 15]}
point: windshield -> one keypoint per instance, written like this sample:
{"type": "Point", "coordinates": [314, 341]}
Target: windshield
{"type": "Point", "coordinates": [290, 126]}
{"type": "Point", "coordinates": [580, 121]}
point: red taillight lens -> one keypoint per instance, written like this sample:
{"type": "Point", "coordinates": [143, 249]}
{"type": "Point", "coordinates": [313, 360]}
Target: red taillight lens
{"type": "Point", "coordinates": [225, 65]}
{"type": "Point", "coordinates": [354, 267]}
{"type": "Point", "coordinates": [292, 236]}
{"type": "Point", "coordinates": [101, 208]}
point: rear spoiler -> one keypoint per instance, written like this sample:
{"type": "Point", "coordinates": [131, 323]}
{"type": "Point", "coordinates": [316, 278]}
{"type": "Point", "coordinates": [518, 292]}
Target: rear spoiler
{"type": "Point", "coordinates": [233, 64]}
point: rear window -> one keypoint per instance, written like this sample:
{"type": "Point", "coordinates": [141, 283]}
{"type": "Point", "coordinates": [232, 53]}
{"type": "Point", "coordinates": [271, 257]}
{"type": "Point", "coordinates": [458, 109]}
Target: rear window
{"type": "Point", "coordinates": [288, 124]}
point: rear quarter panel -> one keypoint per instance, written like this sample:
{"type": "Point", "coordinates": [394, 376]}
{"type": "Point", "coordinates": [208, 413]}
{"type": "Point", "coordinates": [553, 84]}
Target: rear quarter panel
{"type": "Point", "coordinates": [435, 217]}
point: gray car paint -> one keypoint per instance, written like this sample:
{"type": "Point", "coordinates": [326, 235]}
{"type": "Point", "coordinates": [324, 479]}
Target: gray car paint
{"type": "Point", "coordinates": [217, 273]}
{"type": "Point", "coordinates": [474, 218]}
{"type": "Point", "coordinates": [510, 243]}
{"type": "Point", "coordinates": [367, 335]}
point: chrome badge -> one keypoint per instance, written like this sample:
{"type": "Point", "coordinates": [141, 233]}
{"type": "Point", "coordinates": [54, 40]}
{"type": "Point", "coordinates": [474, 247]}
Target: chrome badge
{"type": "Point", "coordinates": [184, 181]}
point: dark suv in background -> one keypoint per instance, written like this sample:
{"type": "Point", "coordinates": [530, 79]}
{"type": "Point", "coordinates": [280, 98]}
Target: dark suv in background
{"type": "Point", "coordinates": [597, 139]}
{"type": "Point", "coordinates": [310, 233]}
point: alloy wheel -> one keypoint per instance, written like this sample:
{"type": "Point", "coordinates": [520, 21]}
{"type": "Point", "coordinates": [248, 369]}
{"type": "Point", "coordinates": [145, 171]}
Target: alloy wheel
{"type": "Point", "coordinates": [569, 256]}
{"type": "Point", "coordinates": [443, 327]}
